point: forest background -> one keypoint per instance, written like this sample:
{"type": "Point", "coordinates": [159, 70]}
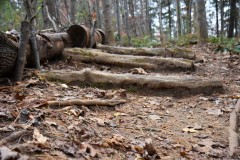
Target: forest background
{"type": "Point", "coordinates": [134, 22]}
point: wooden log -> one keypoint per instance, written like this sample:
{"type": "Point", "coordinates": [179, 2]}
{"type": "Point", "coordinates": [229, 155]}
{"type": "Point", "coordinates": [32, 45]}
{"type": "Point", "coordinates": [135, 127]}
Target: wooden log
{"type": "Point", "coordinates": [176, 52]}
{"type": "Point", "coordinates": [154, 63]}
{"type": "Point", "coordinates": [95, 102]}
{"type": "Point", "coordinates": [127, 80]}
{"type": "Point", "coordinates": [233, 131]}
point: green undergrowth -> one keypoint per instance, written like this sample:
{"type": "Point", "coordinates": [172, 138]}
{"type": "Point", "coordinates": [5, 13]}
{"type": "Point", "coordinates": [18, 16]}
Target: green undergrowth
{"type": "Point", "coordinates": [226, 44]}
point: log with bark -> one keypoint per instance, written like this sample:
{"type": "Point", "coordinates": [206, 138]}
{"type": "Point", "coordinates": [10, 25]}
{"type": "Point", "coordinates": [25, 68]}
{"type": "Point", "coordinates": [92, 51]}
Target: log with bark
{"type": "Point", "coordinates": [154, 63]}
{"type": "Point", "coordinates": [176, 52]}
{"type": "Point", "coordinates": [105, 79]}
{"type": "Point", "coordinates": [234, 131]}
{"type": "Point", "coordinates": [80, 102]}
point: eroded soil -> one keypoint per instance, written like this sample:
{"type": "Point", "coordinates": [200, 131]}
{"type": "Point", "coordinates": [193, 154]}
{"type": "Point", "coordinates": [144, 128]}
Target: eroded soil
{"type": "Point", "coordinates": [147, 126]}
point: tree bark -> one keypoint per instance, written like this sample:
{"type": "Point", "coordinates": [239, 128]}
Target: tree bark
{"type": "Point", "coordinates": [159, 63]}
{"type": "Point", "coordinates": [73, 11]}
{"type": "Point", "coordinates": [160, 17]}
{"type": "Point", "coordinates": [99, 20]}
{"type": "Point", "coordinates": [232, 18]}
{"type": "Point", "coordinates": [202, 21]}
{"type": "Point", "coordinates": [162, 52]}
{"type": "Point", "coordinates": [127, 29]}
{"type": "Point", "coordinates": [148, 19]}
{"type": "Point", "coordinates": [217, 23]}
{"type": "Point", "coordinates": [118, 21]}
{"type": "Point", "coordinates": [86, 76]}
{"type": "Point", "coordinates": [179, 24]}
{"type": "Point", "coordinates": [34, 47]}
{"type": "Point", "coordinates": [108, 22]}
{"type": "Point", "coordinates": [222, 18]}
{"type": "Point", "coordinates": [21, 58]}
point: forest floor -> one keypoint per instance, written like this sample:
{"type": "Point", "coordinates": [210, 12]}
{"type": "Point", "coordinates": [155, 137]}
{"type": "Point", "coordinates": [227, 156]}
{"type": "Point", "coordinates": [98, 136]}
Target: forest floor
{"type": "Point", "coordinates": [147, 126]}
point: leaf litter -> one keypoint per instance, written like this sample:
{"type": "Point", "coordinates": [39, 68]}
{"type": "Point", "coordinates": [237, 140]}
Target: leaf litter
{"type": "Point", "coordinates": [145, 127]}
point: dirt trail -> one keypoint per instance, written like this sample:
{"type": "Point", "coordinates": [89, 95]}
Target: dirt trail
{"type": "Point", "coordinates": [192, 127]}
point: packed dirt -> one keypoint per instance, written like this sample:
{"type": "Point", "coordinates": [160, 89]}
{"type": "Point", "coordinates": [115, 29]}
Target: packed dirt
{"type": "Point", "coordinates": [147, 126]}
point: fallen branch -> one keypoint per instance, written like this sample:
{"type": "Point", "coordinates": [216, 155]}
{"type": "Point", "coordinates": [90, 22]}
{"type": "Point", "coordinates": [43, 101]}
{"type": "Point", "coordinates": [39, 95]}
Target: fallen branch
{"type": "Point", "coordinates": [155, 63]}
{"type": "Point", "coordinates": [176, 52]}
{"type": "Point", "coordinates": [127, 80]}
{"type": "Point", "coordinates": [79, 102]}
{"type": "Point", "coordinates": [233, 131]}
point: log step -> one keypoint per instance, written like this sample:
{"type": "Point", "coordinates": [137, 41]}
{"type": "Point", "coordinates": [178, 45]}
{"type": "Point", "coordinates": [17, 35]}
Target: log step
{"type": "Point", "coordinates": [128, 61]}
{"type": "Point", "coordinates": [157, 83]}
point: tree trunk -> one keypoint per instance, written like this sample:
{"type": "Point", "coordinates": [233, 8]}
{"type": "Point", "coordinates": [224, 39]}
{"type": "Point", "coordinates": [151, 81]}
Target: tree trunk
{"type": "Point", "coordinates": [33, 41]}
{"type": "Point", "coordinates": [73, 11]}
{"type": "Point", "coordinates": [148, 19]}
{"type": "Point", "coordinates": [175, 84]}
{"type": "Point", "coordinates": [202, 21]}
{"type": "Point", "coordinates": [21, 58]}
{"type": "Point", "coordinates": [52, 12]}
{"type": "Point", "coordinates": [188, 4]}
{"type": "Point", "coordinates": [133, 21]}
{"type": "Point", "coordinates": [162, 52]}
{"type": "Point", "coordinates": [232, 18]}
{"type": "Point", "coordinates": [179, 24]}
{"type": "Point", "coordinates": [217, 23]}
{"type": "Point", "coordinates": [108, 22]}
{"type": "Point", "coordinates": [222, 18]}
{"type": "Point", "coordinates": [169, 19]}
{"type": "Point", "coordinates": [118, 21]}
{"type": "Point", "coordinates": [127, 29]}
{"type": "Point", "coordinates": [160, 18]}
{"type": "Point", "coordinates": [99, 20]}
{"type": "Point", "coordinates": [159, 63]}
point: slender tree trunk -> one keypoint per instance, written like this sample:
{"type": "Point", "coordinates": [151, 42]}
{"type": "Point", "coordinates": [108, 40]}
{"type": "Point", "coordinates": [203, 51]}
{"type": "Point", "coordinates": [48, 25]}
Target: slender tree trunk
{"type": "Point", "coordinates": [127, 21]}
{"type": "Point", "coordinates": [33, 41]}
{"type": "Point", "coordinates": [232, 18]}
{"type": "Point", "coordinates": [195, 18]}
{"type": "Point", "coordinates": [99, 20]}
{"type": "Point", "coordinates": [73, 11]}
{"type": "Point", "coordinates": [179, 25]}
{"type": "Point", "coordinates": [169, 19]}
{"type": "Point", "coordinates": [133, 21]}
{"type": "Point", "coordinates": [222, 18]}
{"type": "Point", "coordinates": [202, 21]}
{"type": "Point", "coordinates": [108, 22]}
{"type": "Point", "coordinates": [236, 22]}
{"type": "Point", "coordinates": [52, 12]}
{"type": "Point", "coordinates": [217, 23]}
{"type": "Point", "coordinates": [160, 17]}
{"type": "Point", "coordinates": [189, 17]}
{"type": "Point", "coordinates": [147, 20]}
{"type": "Point", "coordinates": [142, 17]}
{"type": "Point", "coordinates": [118, 20]}
{"type": "Point", "coordinates": [21, 57]}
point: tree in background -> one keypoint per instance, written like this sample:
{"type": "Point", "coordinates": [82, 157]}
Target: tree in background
{"type": "Point", "coordinates": [108, 22]}
{"type": "Point", "coordinates": [201, 20]}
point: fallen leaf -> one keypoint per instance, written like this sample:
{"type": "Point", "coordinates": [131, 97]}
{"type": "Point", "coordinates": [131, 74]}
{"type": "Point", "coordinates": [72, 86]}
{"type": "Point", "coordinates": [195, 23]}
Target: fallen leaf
{"type": "Point", "coordinates": [216, 112]}
{"type": "Point", "coordinates": [191, 130]}
{"type": "Point", "coordinates": [87, 148]}
{"type": "Point", "coordinates": [7, 154]}
{"type": "Point", "coordinates": [39, 137]}
{"type": "Point", "coordinates": [154, 117]}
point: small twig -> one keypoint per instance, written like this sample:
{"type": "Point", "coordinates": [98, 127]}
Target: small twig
{"type": "Point", "coordinates": [49, 17]}
{"type": "Point", "coordinates": [14, 136]}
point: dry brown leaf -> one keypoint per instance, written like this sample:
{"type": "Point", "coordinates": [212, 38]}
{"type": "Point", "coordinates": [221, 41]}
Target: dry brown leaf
{"type": "Point", "coordinates": [39, 137]}
{"type": "Point", "coordinates": [190, 130]}
{"type": "Point", "coordinates": [87, 148]}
